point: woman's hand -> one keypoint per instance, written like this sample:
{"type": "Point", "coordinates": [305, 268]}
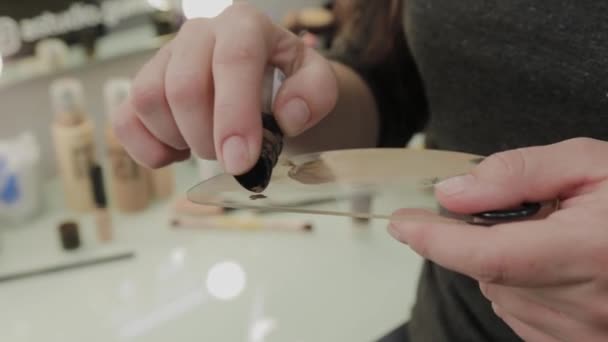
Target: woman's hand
{"type": "Point", "coordinates": [547, 279]}
{"type": "Point", "coordinates": [202, 92]}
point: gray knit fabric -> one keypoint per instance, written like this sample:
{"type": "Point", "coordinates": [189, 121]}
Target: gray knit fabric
{"type": "Point", "coordinates": [495, 75]}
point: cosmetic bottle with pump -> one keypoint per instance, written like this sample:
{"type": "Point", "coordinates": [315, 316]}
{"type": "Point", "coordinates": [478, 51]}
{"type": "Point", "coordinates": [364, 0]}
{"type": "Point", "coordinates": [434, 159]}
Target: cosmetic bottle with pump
{"type": "Point", "coordinates": [130, 188]}
{"type": "Point", "coordinates": [73, 137]}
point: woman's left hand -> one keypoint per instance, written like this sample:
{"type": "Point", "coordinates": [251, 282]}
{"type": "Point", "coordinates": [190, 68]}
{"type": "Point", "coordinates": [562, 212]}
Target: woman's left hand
{"type": "Point", "coordinates": [547, 279]}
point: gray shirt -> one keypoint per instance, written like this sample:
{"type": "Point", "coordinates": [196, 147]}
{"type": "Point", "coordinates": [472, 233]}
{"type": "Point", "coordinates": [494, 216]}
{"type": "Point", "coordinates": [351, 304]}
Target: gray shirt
{"type": "Point", "coordinates": [482, 77]}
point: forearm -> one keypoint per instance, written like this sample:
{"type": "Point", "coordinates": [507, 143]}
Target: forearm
{"type": "Point", "coordinates": [354, 122]}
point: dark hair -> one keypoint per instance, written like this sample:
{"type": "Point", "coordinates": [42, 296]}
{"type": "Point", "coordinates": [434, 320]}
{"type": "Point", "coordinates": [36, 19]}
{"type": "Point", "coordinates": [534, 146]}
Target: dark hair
{"type": "Point", "coordinates": [368, 27]}
{"type": "Point", "coordinates": [371, 40]}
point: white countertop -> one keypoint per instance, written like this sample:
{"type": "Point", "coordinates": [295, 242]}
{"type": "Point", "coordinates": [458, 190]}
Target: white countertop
{"type": "Point", "coordinates": [338, 283]}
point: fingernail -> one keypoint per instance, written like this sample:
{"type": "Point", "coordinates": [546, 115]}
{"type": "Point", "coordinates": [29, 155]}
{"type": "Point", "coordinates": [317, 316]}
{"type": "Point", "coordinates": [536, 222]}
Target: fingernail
{"type": "Point", "coordinates": [235, 155]}
{"type": "Point", "coordinates": [294, 116]}
{"type": "Point", "coordinates": [455, 185]}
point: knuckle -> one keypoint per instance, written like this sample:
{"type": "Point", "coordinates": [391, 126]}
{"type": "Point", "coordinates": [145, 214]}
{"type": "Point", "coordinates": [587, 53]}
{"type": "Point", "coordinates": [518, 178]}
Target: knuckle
{"type": "Point", "coordinates": [588, 151]}
{"type": "Point", "coordinates": [492, 269]}
{"type": "Point", "coordinates": [240, 10]}
{"type": "Point", "coordinates": [124, 125]}
{"type": "Point", "coordinates": [252, 22]}
{"type": "Point", "coordinates": [146, 97]}
{"type": "Point", "coordinates": [242, 35]}
{"type": "Point", "coordinates": [194, 26]}
{"type": "Point", "coordinates": [324, 79]}
{"type": "Point", "coordinates": [583, 143]}
{"type": "Point", "coordinates": [154, 157]}
{"type": "Point", "coordinates": [157, 158]}
{"type": "Point", "coordinates": [239, 52]}
{"type": "Point", "coordinates": [184, 89]}
{"type": "Point", "coordinates": [506, 165]}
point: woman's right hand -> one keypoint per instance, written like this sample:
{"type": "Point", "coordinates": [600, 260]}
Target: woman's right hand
{"type": "Point", "coordinates": [202, 92]}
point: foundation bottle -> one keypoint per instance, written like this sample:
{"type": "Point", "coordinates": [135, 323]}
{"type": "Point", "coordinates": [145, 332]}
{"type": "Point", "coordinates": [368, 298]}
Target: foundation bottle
{"type": "Point", "coordinates": [163, 182]}
{"type": "Point", "coordinates": [74, 141]}
{"type": "Point", "coordinates": [129, 185]}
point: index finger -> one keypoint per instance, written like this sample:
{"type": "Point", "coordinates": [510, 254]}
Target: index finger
{"type": "Point", "coordinates": [239, 62]}
{"type": "Point", "coordinates": [524, 254]}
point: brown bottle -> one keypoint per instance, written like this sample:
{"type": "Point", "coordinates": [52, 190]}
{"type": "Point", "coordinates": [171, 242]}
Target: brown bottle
{"type": "Point", "coordinates": [73, 136]}
{"type": "Point", "coordinates": [129, 186]}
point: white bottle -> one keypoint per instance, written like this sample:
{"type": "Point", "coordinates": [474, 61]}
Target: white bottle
{"type": "Point", "coordinates": [20, 188]}
{"type": "Point", "coordinates": [73, 136]}
{"type": "Point", "coordinates": [129, 186]}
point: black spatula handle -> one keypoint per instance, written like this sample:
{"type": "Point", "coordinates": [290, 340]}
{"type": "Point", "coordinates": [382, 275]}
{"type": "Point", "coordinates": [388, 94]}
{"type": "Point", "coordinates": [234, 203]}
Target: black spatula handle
{"type": "Point", "coordinates": [526, 211]}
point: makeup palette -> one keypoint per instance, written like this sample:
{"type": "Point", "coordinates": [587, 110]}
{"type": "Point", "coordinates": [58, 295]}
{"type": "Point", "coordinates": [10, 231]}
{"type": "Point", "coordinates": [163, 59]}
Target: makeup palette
{"type": "Point", "coordinates": [392, 178]}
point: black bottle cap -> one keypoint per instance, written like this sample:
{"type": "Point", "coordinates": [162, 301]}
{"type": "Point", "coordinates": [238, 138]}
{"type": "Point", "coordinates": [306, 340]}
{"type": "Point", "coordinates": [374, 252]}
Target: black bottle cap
{"type": "Point", "coordinates": [258, 178]}
{"type": "Point", "coordinates": [99, 191]}
{"type": "Point", "coordinates": [69, 235]}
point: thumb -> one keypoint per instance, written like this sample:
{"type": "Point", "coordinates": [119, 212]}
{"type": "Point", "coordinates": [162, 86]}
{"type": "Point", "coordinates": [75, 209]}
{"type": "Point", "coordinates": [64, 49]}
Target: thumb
{"type": "Point", "coordinates": [310, 90]}
{"type": "Point", "coordinates": [531, 174]}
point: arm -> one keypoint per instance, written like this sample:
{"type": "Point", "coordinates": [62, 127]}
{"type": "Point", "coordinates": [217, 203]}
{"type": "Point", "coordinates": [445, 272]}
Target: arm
{"type": "Point", "coordinates": [381, 100]}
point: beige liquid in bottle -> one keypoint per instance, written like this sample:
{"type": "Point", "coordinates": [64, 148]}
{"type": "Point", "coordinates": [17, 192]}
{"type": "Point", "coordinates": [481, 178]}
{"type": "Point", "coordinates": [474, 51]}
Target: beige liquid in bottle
{"type": "Point", "coordinates": [129, 185]}
{"type": "Point", "coordinates": [73, 136]}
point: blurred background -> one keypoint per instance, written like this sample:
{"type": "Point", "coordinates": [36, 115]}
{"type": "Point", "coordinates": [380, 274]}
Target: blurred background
{"type": "Point", "coordinates": [94, 247]}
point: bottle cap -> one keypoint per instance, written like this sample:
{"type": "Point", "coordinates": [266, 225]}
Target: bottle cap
{"type": "Point", "coordinates": [67, 96]}
{"type": "Point", "coordinates": [69, 235]}
{"type": "Point", "coordinates": [116, 91]}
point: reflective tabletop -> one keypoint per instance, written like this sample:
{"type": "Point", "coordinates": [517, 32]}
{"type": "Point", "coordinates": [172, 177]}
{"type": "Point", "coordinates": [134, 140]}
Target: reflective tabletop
{"type": "Point", "coordinates": [340, 282]}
